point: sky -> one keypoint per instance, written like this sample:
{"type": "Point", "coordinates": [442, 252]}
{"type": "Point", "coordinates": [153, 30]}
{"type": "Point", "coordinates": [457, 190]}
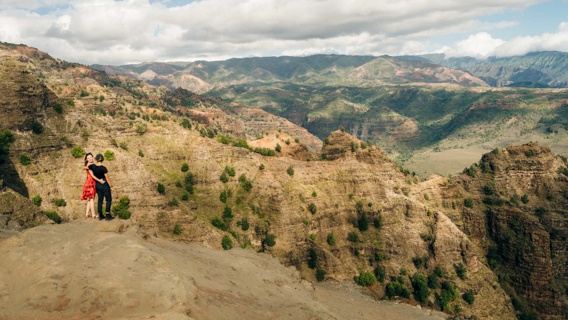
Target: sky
{"type": "Point", "coordinates": [118, 32]}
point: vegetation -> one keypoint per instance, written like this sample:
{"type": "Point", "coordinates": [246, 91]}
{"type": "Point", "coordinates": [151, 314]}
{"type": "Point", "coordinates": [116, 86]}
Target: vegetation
{"type": "Point", "coordinates": [365, 279]}
{"type": "Point", "coordinates": [77, 152]}
{"type": "Point", "coordinates": [177, 229]}
{"type": "Point", "coordinates": [25, 160]}
{"type": "Point", "coordinates": [37, 200]}
{"type": "Point", "coordinates": [52, 215]}
{"type": "Point", "coordinates": [397, 288]}
{"type": "Point", "coordinates": [227, 243]}
{"type": "Point", "coordinates": [312, 208]}
{"type": "Point", "coordinates": [109, 155]}
{"type": "Point", "coordinates": [121, 209]}
{"type": "Point", "coordinates": [161, 188]}
{"type": "Point", "coordinates": [290, 171]}
{"type": "Point", "coordinates": [460, 270]}
{"type": "Point", "coordinates": [6, 138]}
{"type": "Point", "coordinates": [60, 202]}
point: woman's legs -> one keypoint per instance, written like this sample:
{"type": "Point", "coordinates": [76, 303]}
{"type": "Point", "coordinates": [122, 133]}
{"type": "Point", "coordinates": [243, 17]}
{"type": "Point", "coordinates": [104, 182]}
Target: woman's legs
{"type": "Point", "coordinates": [91, 205]}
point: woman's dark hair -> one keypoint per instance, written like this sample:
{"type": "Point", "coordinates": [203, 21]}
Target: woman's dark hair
{"type": "Point", "coordinates": [99, 157]}
{"type": "Point", "coordinates": [86, 157]}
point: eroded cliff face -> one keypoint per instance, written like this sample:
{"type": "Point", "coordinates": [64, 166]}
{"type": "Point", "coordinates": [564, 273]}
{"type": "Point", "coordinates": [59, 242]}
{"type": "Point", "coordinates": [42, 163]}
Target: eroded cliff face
{"type": "Point", "coordinates": [513, 205]}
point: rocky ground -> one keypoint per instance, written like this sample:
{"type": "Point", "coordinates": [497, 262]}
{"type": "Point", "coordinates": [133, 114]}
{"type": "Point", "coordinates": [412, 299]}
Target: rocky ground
{"type": "Point", "coordinates": [88, 269]}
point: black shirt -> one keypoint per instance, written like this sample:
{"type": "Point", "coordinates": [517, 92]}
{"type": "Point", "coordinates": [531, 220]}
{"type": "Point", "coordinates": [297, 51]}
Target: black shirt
{"type": "Point", "coordinates": [98, 171]}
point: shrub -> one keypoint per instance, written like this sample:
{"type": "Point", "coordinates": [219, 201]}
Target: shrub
{"type": "Point", "coordinates": [468, 297]}
{"type": "Point", "coordinates": [525, 199]}
{"type": "Point", "coordinates": [397, 288]}
{"type": "Point", "coordinates": [121, 209]}
{"type": "Point", "coordinates": [109, 155]}
{"type": "Point", "coordinates": [123, 145]}
{"type": "Point", "coordinates": [177, 229]}
{"type": "Point", "coordinates": [380, 273]}
{"type": "Point", "coordinates": [244, 223]}
{"type": "Point", "coordinates": [161, 188]}
{"type": "Point", "coordinates": [223, 196]}
{"type": "Point", "coordinates": [185, 196]}
{"type": "Point", "coordinates": [53, 216]}
{"type": "Point", "coordinates": [60, 202]}
{"type": "Point", "coordinates": [6, 138]}
{"type": "Point", "coordinates": [460, 270]}
{"type": "Point", "coordinates": [331, 239]}
{"type": "Point", "coordinates": [140, 153]}
{"type": "Point", "coordinates": [219, 224]}
{"type": "Point", "coordinates": [468, 202]}
{"type": "Point", "coordinates": [420, 262]}
{"type": "Point", "coordinates": [241, 143]}
{"type": "Point", "coordinates": [270, 240]}
{"type": "Point", "coordinates": [420, 285]}
{"type": "Point", "coordinates": [433, 281]}
{"type": "Point", "coordinates": [227, 243]}
{"type": "Point", "coordinates": [58, 108]}
{"type": "Point", "coordinates": [77, 152]}
{"type": "Point", "coordinates": [184, 167]}
{"type": "Point", "coordinates": [366, 279]}
{"type": "Point", "coordinates": [312, 258]}
{"type": "Point", "coordinates": [140, 128]}
{"type": "Point", "coordinates": [264, 151]}
{"type": "Point", "coordinates": [449, 293]}
{"type": "Point", "coordinates": [363, 222]}
{"type": "Point", "coordinates": [290, 171]}
{"type": "Point", "coordinates": [378, 221]}
{"type": "Point", "coordinates": [278, 148]}
{"type": "Point", "coordinates": [224, 177]}
{"type": "Point", "coordinates": [37, 200]}
{"type": "Point", "coordinates": [173, 203]}
{"type": "Point", "coordinates": [25, 159]}
{"type": "Point", "coordinates": [312, 208]}
{"type": "Point", "coordinates": [353, 236]}
{"type": "Point", "coordinates": [261, 167]}
{"type": "Point", "coordinates": [69, 102]}
{"type": "Point", "coordinates": [37, 127]}
{"type": "Point", "coordinates": [320, 275]}
{"type": "Point", "coordinates": [230, 171]}
{"type": "Point", "coordinates": [227, 214]}
{"type": "Point", "coordinates": [190, 181]}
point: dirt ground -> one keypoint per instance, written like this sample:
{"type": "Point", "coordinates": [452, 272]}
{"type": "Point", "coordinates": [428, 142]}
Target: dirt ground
{"type": "Point", "coordinates": [89, 269]}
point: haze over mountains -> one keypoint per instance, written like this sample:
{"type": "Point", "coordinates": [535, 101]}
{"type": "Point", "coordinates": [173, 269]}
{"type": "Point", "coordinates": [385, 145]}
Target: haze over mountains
{"type": "Point", "coordinates": [240, 166]}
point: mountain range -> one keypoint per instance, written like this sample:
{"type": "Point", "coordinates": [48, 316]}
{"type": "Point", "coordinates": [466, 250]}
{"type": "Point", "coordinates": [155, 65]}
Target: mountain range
{"type": "Point", "coordinates": [209, 170]}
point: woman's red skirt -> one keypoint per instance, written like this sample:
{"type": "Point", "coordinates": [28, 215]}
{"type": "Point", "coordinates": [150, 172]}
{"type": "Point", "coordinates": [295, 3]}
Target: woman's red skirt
{"type": "Point", "coordinates": [89, 188]}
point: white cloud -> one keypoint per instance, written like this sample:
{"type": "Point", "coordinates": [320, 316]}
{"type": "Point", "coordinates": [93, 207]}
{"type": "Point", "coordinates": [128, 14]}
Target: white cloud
{"type": "Point", "coordinates": [115, 32]}
{"type": "Point", "coordinates": [479, 45]}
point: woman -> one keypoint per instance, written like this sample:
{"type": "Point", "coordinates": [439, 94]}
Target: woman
{"type": "Point", "coordinates": [89, 190]}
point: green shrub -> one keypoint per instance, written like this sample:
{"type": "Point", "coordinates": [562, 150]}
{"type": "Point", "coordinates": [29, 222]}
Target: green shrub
{"type": "Point", "coordinates": [224, 177]}
{"type": "Point", "coordinates": [53, 216]}
{"type": "Point", "coordinates": [378, 221]}
{"type": "Point", "coordinates": [433, 281]}
{"type": "Point", "coordinates": [58, 108]}
{"type": "Point", "coordinates": [223, 196]}
{"type": "Point", "coordinates": [420, 286]}
{"type": "Point", "coordinates": [449, 293]}
{"type": "Point", "coordinates": [312, 258]}
{"type": "Point", "coordinates": [366, 279]}
{"type": "Point", "coordinates": [161, 188]}
{"type": "Point", "coordinates": [469, 297]}
{"type": "Point", "coordinates": [227, 243]}
{"type": "Point", "coordinates": [177, 229]}
{"type": "Point", "coordinates": [264, 151]}
{"type": "Point", "coordinates": [525, 199]}
{"type": "Point", "coordinates": [140, 153]}
{"type": "Point", "coordinates": [37, 200]}
{"type": "Point", "coordinates": [244, 223]}
{"type": "Point", "coordinates": [25, 159]}
{"type": "Point", "coordinates": [397, 288]}
{"type": "Point", "coordinates": [460, 270]}
{"type": "Point", "coordinates": [241, 143]}
{"type": "Point", "coordinates": [420, 262]}
{"type": "Point", "coordinates": [185, 196]}
{"type": "Point", "coordinates": [312, 208]}
{"type": "Point", "coordinates": [230, 171]}
{"type": "Point", "coordinates": [380, 273]}
{"type": "Point", "coordinates": [6, 138]}
{"type": "Point", "coordinates": [363, 222]}
{"type": "Point", "coordinates": [109, 155]}
{"type": "Point", "coordinates": [37, 127]}
{"type": "Point", "coordinates": [353, 236]}
{"type": "Point", "coordinates": [173, 203]}
{"type": "Point", "coordinates": [331, 239]}
{"type": "Point", "coordinates": [69, 102]}
{"type": "Point", "coordinates": [219, 224]}
{"type": "Point", "coordinates": [290, 171]}
{"type": "Point", "coordinates": [184, 167]}
{"type": "Point", "coordinates": [320, 275]}
{"type": "Point", "coordinates": [190, 181]}
{"type": "Point", "coordinates": [121, 209]}
{"type": "Point", "coordinates": [123, 145]}
{"type": "Point", "coordinates": [227, 214]}
{"type": "Point", "coordinates": [261, 167]}
{"type": "Point", "coordinates": [77, 152]}
{"type": "Point", "coordinates": [141, 128]}
{"type": "Point", "coordinates": [278, 148]}
{"type": "Point", "coordinates": [60, 202]}
{"type": "Point", "coordinates": [468, 202]}
{"type": "Point", "coordinates": [270, 240]}
{"type": "Point", "coordinates": [124, 214]}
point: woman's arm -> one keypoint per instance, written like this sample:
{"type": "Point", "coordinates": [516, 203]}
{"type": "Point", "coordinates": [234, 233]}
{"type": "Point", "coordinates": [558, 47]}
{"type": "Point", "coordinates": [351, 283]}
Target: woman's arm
{"type": "Point", "coordinates": [101, 181]}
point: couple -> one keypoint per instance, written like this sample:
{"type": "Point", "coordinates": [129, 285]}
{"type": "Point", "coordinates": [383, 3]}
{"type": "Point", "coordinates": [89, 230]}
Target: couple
{"type": "Point", "coordinates": [97, 182]}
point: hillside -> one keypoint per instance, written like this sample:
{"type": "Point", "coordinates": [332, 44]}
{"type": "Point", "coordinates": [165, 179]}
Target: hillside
{"type": "Point", "coordinates": [347, 211]}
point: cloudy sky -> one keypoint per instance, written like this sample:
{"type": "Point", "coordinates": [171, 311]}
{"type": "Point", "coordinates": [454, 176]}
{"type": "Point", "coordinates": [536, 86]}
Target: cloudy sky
{"type": "Point", "coordinates": [129, 31]}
